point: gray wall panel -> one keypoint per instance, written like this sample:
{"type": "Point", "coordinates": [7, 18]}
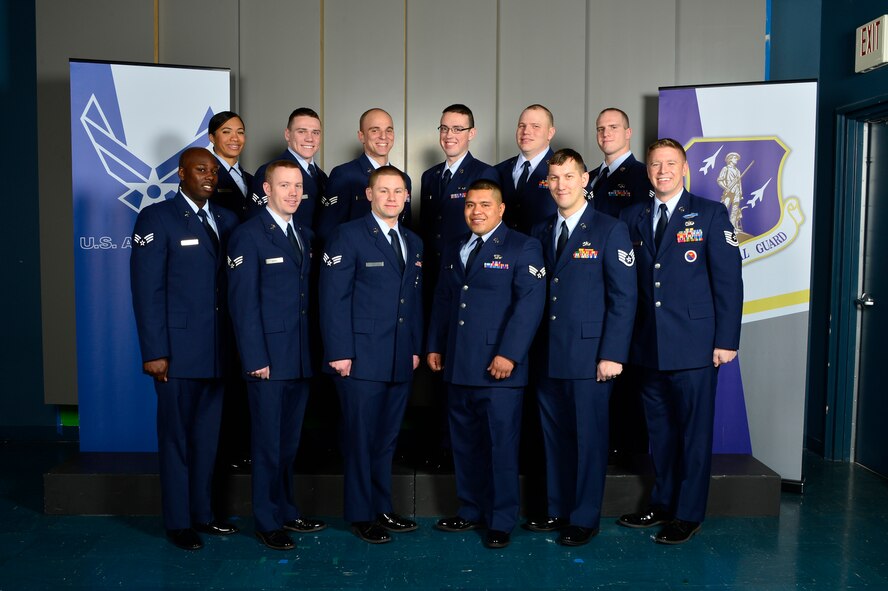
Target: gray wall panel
{"type": "Point", "coordinates": [200, 33]}
{"type": "Point", "coordinates": [720, 41]}
{"type": "Point", "coordinates": [280, 64]}
{"type": "Point", "coordinates": [775, 391]}
{"type": "Point", "coordinates": [450, 59]}
{"type": "Point", "coordinates": [364, 51]}
{"type": "Point", "coordinates": [629, 59]}
{"type": "Point", "coordinates": [121, 31]}
{"type": "Point", "coordinates": [542, 59]}
{"type": "Point", "coordinates": [341, 57]}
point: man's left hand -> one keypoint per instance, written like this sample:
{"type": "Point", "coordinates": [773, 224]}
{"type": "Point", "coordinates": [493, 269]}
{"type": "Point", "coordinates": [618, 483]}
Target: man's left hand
{"type": "Point", "coordinates": [722, 356]}
{"type": "Point", "coordinates": [608, 370]}
{"type": "Point", "coordinates": [501, 368]}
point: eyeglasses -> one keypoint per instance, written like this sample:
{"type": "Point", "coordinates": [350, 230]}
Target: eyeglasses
{"type": "Point", "coordinates": [445, 130]}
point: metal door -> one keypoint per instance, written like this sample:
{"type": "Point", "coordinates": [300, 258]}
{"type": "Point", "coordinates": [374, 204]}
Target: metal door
{"type": "Point", "coordinates": [871, 442]}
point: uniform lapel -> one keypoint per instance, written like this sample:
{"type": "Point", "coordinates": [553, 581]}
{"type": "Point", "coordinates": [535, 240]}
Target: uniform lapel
{"type": "Point", "coordinates": [381, 241]}
{"type": "Point", "coordinates": [410, 258]}
{"type": "Point", "coordinates": [277, 236]}
{"type": "Point", "coordinates": [548, 240]}
{"type": "Point", "coordinates": [644, 226]}
{"type": "Point", "coordinates": [459, 178]}
{"type": "Point", "coordinates": [194, 226]}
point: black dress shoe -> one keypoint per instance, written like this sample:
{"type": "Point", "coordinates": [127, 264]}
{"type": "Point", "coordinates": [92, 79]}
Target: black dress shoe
{"type": "Point", "coordinates": [216, 528]}
{"type": "Point", "coordinates": [276, 539]}
{"type": "Point", "coordinates": [456, 523]}
{"type": "Point", "coordinates": [187, 538]}
{"type": "Point", "coordinates": [575, 535]}
{"type": "Point", "coordinates": [677, 532]}
{"type": "Point", "coordinates": [396, 523]}
{"type": "Point", "coordinates": [304, 525]}
{"type": "Point", "coordinates": [648, 518]}
{"type": "Point", "coordinates": [371, 532]}
{"type": "Point", "coordinates": [547, 524]}
{"type": "Point", "coordinates": [496, 539]}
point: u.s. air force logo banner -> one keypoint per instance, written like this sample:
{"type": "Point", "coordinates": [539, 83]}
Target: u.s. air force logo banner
{"type": "Point", "coordinates": [745, 174]}
{"type": "Point", "coordinates": [129, 124]}
{"type": "Point", "coordinates": [142, 183]}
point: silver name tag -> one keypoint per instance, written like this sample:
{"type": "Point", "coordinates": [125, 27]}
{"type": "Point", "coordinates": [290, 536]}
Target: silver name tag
{"type": "Point", "coordinates": [274, 260]}
{"type": "Point", "coordinates": [189, 242]}
{"type": "Point", "coordinates": [375, 264]}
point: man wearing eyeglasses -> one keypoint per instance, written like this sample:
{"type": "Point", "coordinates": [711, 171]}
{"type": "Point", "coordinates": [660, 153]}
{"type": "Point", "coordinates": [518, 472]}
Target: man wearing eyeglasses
{"type": "Point", "coordinates": [442, 217]}
{"type": "Point", "coordinates": [444, 186]}
{"type": "Point", "coordinates": [303, 135]}
{"type": "Point", "coordinates": [345, 197]}
{"type": "Point", "coordinates": [523, 177]}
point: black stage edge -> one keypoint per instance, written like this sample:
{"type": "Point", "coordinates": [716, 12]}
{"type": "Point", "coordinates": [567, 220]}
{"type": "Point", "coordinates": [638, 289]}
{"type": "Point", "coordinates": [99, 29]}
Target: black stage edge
{"type": "Point", "coordinates": [128, 484]}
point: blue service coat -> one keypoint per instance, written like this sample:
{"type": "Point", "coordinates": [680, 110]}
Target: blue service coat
{"type": "Point", "coordinates": [312, 191]}
{"type": "Point", "coordinates": [230, 196]}
{"type": "Point", "coordinates": [442, 215]}
{"type": "Point", "coordinates": [345, 197]}
{"type": "Point", "coordinates": [627, 186]}
{"type": "Point", "coordinates": [534, 203]}
{"type": "Point", "coordinates": [268, 295]}
{"type": "Point", "coordinates": [494, 310]}
{"type": "Point", "coordinates": [590, 308]}
{"type": "Point", "coordinates": [690, 291]}
{"type": "Point", "coordinates": [371, 313]}
{"type": "Point", "coordinates": [179, 288]}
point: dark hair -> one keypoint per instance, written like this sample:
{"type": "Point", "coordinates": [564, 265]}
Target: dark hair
{"type": "Point", "coordinates": [220, 118]}
{"type": "Point", "coordinates": [616, 110]}
{"type": "Point", "coordinates": [462, 110]}
{"type": "Point", "coordinates": [565, 154]}
{"type": "Point", "coordinates": [279, 164]}
{"type": "Point", "coordinates": [537, 106]}
{"type": "Point", "coordinates": [302, 112]}
{"type": "Point", "coordinates": [487, 185]}
{"type": "Point", "coordinates": [666, 142]}
{"type": "Point", "coordinates": [387, 170]}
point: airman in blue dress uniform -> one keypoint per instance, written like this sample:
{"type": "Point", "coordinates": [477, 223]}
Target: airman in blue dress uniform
{"type": "Point", "coordinates": [303, 136]}
{"type": "Point", "coordinates": [523, 177]}
{"type": "Point", "coordinates": [621, 181]}
{"type": "Point", "coordinates": [582, 345]}
{"type": "Point", "coordinates": [690, 302]}
{"type": "Point", "coordinates": [371, 324]}
{"type": "Point", "coordinates": [269, 267]}
{"type": "Point", "coordinates": [488, 304]}
{"type": "Point", "coordinates": [345, 196]}
{"type": "Point", "coordinates": [179, 291]}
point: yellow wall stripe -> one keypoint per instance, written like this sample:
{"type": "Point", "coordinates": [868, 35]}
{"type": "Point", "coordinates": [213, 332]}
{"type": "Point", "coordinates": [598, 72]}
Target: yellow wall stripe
{"type": "Point", "coordinates": [778, 301]}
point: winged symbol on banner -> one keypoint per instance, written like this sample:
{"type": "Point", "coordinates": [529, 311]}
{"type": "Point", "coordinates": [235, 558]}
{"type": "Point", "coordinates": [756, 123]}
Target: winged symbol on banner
{"type": "Point", "coordinates": [710, 162]}
{"type": "Point", "coordinates": [144, 184]}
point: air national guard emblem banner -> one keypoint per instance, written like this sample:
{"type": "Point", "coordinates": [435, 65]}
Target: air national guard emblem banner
{"type": "Point", "coordinates": [745, 174]}
{"type": "Point", "coordinates": [751, 148]}
{"type": "Point", "coordinates": [129, 124]}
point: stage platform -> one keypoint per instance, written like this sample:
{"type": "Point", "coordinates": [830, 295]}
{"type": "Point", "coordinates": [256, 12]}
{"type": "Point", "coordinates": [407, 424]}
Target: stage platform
{"type": "Point", "coordinates": [128, 484]}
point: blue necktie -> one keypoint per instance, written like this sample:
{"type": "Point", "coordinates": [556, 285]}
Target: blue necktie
{"type": "Point", "coordinates": [202, 214]}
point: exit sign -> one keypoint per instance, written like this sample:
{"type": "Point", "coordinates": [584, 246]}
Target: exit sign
{"type": "Point", "coordinates": [871, 46]}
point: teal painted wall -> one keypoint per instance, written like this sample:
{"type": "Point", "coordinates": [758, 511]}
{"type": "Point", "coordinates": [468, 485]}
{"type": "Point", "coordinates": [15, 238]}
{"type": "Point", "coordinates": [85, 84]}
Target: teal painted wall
{"type": "Point", "coordinates": [21, 357]}
{"type": "Point", "coordinates": [815, 39]}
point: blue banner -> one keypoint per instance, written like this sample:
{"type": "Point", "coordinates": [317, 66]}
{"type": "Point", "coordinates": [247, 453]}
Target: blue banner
{"type": "Point", "coordinates": [129, 123]}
